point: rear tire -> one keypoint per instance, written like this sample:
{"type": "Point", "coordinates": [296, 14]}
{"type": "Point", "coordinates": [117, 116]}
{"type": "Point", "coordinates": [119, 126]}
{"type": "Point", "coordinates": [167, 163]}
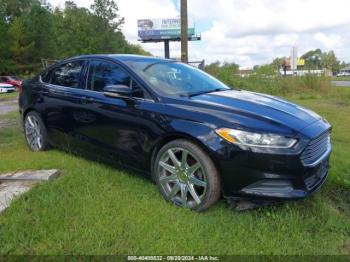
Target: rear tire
{"type": "Point", "coordinates": [186, 176]}
{"type": "Point", "coordinates": [35, 132]}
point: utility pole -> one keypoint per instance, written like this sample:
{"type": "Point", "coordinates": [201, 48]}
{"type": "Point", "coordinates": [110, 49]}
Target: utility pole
{"type": "Point", "coordinates": [184, 32]}
{"type": "Point", "coordinates": [167, 49]}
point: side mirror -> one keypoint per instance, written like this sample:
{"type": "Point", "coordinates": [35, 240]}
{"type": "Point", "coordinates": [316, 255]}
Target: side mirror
{"type": "Point", "coordinates": [117, 91]}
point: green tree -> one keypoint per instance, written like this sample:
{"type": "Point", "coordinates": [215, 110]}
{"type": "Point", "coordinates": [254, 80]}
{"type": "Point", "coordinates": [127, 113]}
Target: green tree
{"type": "Point", "coordinates": [267, 70]}
{"type": "Point", "coordinates": [224, 71]}
{"type": "Point", "coordinates": [15, 8]}
{"type": "Point", "coordinates": [313, 59]}
{"type": "Point", "coordinates": [277, 63]}
{"type": "Point", "coordinates": [5, 56]}
{"type": "Point", "coordinates": [30, 32]}
{"type": "Point", "coordinates": [21, 46]}
{"type": "Point", "coordinates": [213, 68]}
{"type": "Point", "coordinates": [107, 10]}
{"type": "Point", "coordinates": [40, 28]}
{"type": "Point", "coordinates": [76, 30]}
{"type": "Point", "coordinates": [330, 62]}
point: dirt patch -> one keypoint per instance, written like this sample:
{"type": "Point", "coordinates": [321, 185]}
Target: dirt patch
{"type": "Point", "coordinates": [342, 104]}
{"type": "Point", "coordinates": [340, 199]}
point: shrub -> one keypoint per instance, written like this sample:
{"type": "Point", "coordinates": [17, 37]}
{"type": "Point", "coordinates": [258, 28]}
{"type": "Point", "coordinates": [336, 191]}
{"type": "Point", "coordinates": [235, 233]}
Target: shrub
{"type": "Point", "coordinates": [276, 85]}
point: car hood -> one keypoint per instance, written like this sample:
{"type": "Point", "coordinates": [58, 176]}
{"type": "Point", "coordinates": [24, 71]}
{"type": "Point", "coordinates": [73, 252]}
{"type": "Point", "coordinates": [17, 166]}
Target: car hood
{"type": "Point", "coordinates": [261, 107]}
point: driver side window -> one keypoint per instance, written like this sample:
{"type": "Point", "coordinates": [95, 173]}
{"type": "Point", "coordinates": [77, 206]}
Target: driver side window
{"type": "Point", "coordinates": [103, 74]}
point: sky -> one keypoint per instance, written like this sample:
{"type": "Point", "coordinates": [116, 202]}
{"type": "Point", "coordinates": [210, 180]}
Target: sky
{"type": "Point", "coordinates": [247, 32]}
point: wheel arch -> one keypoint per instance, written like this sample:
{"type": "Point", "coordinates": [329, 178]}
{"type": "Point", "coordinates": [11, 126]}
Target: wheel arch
{"type": "Point", "coordinates": [177, 136]}
{"type": "Point", "coordinates": [27, 110]}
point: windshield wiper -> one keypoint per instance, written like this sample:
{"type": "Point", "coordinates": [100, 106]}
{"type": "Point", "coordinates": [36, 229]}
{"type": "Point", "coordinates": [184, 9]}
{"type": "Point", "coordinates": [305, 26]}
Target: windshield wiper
{"type": "Point", "coordinates": [205, 92]}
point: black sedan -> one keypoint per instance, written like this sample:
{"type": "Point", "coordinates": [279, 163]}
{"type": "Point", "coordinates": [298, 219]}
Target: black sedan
{"type": "Point", "coordinates": [197, 138]}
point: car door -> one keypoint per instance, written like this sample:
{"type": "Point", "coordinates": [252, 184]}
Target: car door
{"type": "Point", "coordinates": [118, 126]}
{"type": "Point", "coordinates": [62, 90]}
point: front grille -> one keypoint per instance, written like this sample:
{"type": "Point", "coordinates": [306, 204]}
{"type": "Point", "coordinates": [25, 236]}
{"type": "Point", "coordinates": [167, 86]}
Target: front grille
{"type": "Point", "coordinates": [316, 149]}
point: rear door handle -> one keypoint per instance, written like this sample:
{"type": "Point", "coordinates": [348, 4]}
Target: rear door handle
{"type": "Point", "coordinates": [51, 93]}
{"type": "Point", "coordinates": [86, 99]}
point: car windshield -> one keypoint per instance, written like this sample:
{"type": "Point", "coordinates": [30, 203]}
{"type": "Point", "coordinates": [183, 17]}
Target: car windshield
{"type": "Point", "coordinates": [14, 77]}
{"type": "Point", "coordinates": [177, 79]}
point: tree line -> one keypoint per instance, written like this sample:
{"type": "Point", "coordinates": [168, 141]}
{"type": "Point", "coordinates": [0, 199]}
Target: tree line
{"type": "Point", "coordinates": [317, 60]}
{"type": "Point", "coordinates": [30, 31]}
{"type": "Point", "coordinates": [314, 60]}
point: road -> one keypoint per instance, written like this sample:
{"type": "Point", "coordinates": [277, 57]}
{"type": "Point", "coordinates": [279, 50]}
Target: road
{"type": "Point", "coordinates": [341, 83]}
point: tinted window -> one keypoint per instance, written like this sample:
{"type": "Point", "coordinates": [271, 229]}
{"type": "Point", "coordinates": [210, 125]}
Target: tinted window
{"type": "Point", "coordinates": [46, 77]}
{"type": "Point", "coordinates": [68, 75]}
{"type": "Point", "coordinates": [102, 74]}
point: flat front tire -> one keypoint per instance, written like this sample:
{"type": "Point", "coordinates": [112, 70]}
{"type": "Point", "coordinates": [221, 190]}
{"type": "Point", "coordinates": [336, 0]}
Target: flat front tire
{"type": "Point", "coordinates": [186, 176]}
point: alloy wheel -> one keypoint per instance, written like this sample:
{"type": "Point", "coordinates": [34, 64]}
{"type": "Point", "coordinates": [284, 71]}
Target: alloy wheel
{"type": "Point", "coordinates": [33, 133]}
{"type": "Point", "coordinates": [182, 177]}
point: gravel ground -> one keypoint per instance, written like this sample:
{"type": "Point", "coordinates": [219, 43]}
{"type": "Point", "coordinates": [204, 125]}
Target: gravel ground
{"type": "Point", "coordinates": [6, 106]}
{"type": "Point", "coordinates": [341, 83]}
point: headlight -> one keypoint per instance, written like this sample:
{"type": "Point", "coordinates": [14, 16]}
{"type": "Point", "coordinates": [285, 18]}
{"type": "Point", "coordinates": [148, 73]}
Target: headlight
{"type": "Point", "coordinates": [256, 139]}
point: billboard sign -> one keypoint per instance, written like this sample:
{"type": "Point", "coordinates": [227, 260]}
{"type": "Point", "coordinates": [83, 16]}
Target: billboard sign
{"type": "Point", "coordinates": [162, 29]}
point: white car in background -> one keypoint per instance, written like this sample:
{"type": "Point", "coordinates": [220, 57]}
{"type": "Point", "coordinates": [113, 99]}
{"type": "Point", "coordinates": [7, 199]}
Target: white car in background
{"type": "Point", "coordinates": [343, 74]}
{"type": "Point", "coordinates": [6, 88]}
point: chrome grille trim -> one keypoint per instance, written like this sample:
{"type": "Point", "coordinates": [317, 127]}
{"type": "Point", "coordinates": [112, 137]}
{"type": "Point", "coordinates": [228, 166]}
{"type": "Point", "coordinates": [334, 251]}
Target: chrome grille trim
{"type": "Point", "coordinates": [317, 150]}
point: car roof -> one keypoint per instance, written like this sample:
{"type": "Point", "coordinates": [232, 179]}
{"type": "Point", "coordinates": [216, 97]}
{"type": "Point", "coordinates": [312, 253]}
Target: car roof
{"type": "Point", "coordinates": [125, 58]}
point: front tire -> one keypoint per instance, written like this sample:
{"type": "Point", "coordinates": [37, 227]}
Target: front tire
{"type": "Point", "coordinates": [35, 132]}
{"type": "Point", "coordinates": [186, 176]}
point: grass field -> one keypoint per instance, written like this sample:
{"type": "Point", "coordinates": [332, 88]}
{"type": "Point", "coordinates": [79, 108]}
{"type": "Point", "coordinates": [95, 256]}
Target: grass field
{"type": "Point", "coordinates": [97, 209]}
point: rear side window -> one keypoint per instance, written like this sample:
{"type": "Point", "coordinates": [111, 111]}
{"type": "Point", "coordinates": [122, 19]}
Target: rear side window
{"type": "Point", "coordinates": [46, 77]}
{"type": "Point", "coordinates": [102, 74]}
{"type": "Point", "coordinates": [68, 75]}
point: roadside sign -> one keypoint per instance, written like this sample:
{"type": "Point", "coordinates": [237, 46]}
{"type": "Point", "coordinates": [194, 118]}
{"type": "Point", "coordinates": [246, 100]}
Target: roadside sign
{"type": "Point", "coordinates": [162, 29]}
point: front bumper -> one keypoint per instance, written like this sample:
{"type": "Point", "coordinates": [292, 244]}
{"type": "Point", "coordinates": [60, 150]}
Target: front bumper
{"type": "Point", "coordinates": [295, 188]}
{"type": "Point", "coordinates": [268, 175]}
